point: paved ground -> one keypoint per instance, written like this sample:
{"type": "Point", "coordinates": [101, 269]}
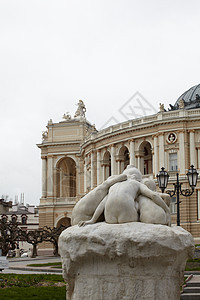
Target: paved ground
{"type": "Point", "coordinates": [19, 265]}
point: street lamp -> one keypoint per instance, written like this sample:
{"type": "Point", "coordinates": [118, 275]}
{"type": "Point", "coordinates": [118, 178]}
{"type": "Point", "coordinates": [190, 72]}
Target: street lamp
{"type": "Point", "coordinates": [192, 176]}
{"type": "Point", "coordinates": [162, 178]}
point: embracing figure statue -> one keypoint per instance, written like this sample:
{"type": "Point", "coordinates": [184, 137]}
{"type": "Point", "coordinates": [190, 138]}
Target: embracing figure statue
{"type": "Point", "coordinates": [124, 198]}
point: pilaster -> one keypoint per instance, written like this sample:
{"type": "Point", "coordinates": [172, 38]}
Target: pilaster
{"type": "Point", "coordinates": [113, 161]}
{"type": "Point", "coordinates": [181, 152]}
{"type": "Point", "coordinates": [193, 157]}
{"type": "Point", "coordinates": [132, 152]}
{"type": "Point", "coordinates": [44, 176]}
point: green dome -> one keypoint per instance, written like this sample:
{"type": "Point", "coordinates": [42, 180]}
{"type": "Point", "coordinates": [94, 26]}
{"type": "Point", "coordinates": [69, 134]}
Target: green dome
{"type": "Point", "coordinates": [191, 98]}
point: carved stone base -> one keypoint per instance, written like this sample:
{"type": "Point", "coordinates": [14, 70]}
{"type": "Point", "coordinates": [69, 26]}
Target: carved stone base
{"type": "Point", "coordinates": [124, 261]}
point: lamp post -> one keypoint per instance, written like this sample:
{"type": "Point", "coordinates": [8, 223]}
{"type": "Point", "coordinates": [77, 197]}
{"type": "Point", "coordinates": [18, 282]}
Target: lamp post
{"type": "Point", "coordinates": [192, 176]}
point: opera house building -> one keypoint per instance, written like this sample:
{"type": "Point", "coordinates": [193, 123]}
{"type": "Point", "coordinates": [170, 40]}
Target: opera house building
{"type": "Point", "coordinates": [76, 157]}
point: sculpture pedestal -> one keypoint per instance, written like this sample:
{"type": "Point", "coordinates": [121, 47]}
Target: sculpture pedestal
{"type": "Point", "coordinates": [124, 261]}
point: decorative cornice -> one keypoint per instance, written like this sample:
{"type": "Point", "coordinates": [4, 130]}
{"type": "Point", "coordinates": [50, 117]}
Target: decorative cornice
{"type": "Point", "coordinates": [161, 133]}
{"type": "Point", "coordinates": [155, 136]}
{"type": "Point", "coordinates": [181, 131]}
{"type": "Point", "coordinates": [44, 157]}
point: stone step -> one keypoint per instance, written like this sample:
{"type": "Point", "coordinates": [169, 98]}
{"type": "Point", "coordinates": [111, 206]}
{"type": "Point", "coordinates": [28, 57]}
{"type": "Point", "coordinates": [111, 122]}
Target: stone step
{"type": "Point", "coordinates": [188, 296]}
{"type": "Point", "coordinates": [191, 284]}
{"type": "Point", "coordinates": [191, 289]}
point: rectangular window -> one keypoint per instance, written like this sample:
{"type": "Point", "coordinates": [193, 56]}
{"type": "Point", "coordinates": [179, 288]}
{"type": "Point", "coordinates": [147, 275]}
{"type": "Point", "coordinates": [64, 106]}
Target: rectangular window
{"type": "Point", "coordinates": [173, 164]}
{"type": "Point", "coordinates": [173, 205]}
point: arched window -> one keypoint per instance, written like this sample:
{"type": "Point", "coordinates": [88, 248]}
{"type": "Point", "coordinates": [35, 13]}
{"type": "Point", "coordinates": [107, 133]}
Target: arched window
{"type": "Point", "coordinates": [107, 164]}
{"type": "Point", "coordinates": [24, 219]}
{"type": "Point", "coordinates": [64, 221]}
{"type": "Point", "coordinates": [4, 218]}
{"type": "Point", "coordinates": [66, 178]}
{"type": "Point", "coordinates": [126, 158]}
{"type": "Point", "coordinates": [14, 218]}
{"type": "Point", "coordinates": [145, 153]}
{"type": "Point", "coordinates": [123, 158]}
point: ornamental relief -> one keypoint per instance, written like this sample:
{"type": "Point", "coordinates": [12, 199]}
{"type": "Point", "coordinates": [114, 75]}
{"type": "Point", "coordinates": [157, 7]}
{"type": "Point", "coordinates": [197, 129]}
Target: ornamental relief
{"type": "Point", "coordinates": [171, 147]}
{"type": "Point", "coordinates": [171, 138]}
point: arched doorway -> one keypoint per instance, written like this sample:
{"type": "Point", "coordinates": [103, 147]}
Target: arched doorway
{"type": "Point", "coordinates": [145, 153]}
{"type": "Point", "coordinates": [123, 159]}
{"type": "Point", "coordinates": [64, 221]}
{"type": "Point", "coordinates": [66, 178]}
{"type": "Point", "coordinates": [106, 165]}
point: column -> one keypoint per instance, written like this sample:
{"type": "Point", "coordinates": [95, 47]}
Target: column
{"type": "Point", "coordinates": [61, 183]}
{"type": "Point", "coordinates": [142, 165]}
{"type": "Point", "coordinates": [198, 204]}
{"type": "Point", "coordinates": [50, 177]}
{"type": "Point", "coordinates": [181, 152]}
{"type": "Point", "coordinates": [198, 158]}
{"type": "Point", "coordinates": [44, 176]}
{"type": "Point", "coordinates": [138, 163]}
{"type": "Point", "coordinates": [113, 162]}
{"type": "Point", "coordinates": [85, 175]}
{"type": "Point", "coordinates": [99, 179]}
{"type": "Point", "coordinates": [155, 158]}
{"type": "Point", "coordinates": [92, 170]}
{"type": "Point", "coordinates": [104, 173]}
{"type": "Point", "coordinates": [132, 152]}
{"type": "Point", "coordinates": [166, 161]}
{"type": "Point", "coordinates": [193, 158]}
{"type": "Point", "coordinates": [161, 151]}
{"type": "Point", "coordinates": [107, 173]}
{"type": "Point", "coordinates": [118, 167]}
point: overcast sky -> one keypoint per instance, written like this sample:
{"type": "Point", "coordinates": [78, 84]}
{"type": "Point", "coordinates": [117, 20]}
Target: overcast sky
{"type": "Point", "coordinates": [53, 53]}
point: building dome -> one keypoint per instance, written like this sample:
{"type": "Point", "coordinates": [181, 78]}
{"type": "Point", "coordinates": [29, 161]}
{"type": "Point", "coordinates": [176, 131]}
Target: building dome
{"type": "Point", "coordinates": [191, 98]}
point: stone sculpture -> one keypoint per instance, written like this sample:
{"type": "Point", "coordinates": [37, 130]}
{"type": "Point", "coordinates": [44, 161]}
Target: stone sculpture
{"type": "Point", "coordinates": [181, 104]}
{"type": "Point", "coordinates": [44, 135]}
{"type": "Point", "coordinates": [130, 261]}
{"type": "Point", "coordinates": [123, 258]}
{"type": "Point", "coordinates": [162, 108]}
{"type": "Point", "coordinates": [80, 112]}
{"type": "Point", "coordinates": [124, 198]}
{"type": "Point", "coordinates": [67, 116]}
{"type": "Point", "coordinates": [87, 205]}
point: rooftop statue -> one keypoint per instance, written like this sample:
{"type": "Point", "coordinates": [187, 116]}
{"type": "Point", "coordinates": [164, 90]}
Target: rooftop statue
{"type": "Point", "coordinates": [80, 112]}
{"type": "Point", "coordinates": [162, 108]}
{"type": "Point", "coordinates": [44, 135]}
{"type": "Point", "coordinates": [67, 116]}
{"type": "Point", "coordinates": [181, 103]}
{"type": "Point", "coordinates": [197, 97]}
{"type": "Point", "coordinates": [124, 198]}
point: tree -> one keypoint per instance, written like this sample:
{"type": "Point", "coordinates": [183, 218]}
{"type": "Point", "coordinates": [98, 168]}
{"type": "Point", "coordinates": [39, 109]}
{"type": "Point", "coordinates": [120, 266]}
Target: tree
{"type": "Point", "coordinates": [9, 234]}
{"type": "Point", "coordinates": [52, 234]}
{"type": "Point", "coordinates": [34, 237]}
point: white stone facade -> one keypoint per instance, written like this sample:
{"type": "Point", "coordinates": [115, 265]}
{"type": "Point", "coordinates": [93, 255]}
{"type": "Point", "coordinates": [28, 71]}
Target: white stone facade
{"type": "Point", "coordinates": [76, 158]}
